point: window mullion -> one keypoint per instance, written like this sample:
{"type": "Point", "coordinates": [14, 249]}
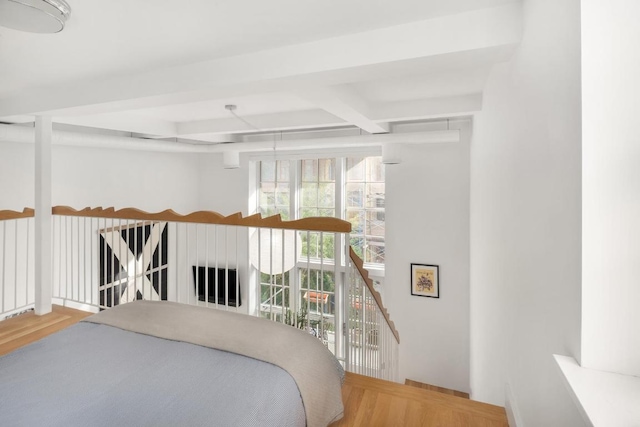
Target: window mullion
{"type": "Point", "coordinates": [294, 188]}
{"type": "Point", "coordinates": [339, 209]}
{"type": "Point", "coordinates": [318, 187]}
{"type": "Point", "coordinates": [340, 240]}
{"type": "Point", "coordinates": [258, 182]}
{"type": "Point", "coordinates": [294, 196]}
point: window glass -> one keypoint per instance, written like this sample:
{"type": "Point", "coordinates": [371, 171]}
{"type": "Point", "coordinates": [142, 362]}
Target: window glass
{"type": "Point", "coordinates": [274, 295]}
{"type": "Point", "coordinates": [318, 188]}
{"type": "Point", "coordinates": [318, 198]}
{"type": "Point", "coordinates": [316, 245]}
{"type": "Point", "coordinates": [274, 192]}
{"type": "Point", "coordinates": [364, 207]}
{"type": "Point", "coordinates": [355, 169]}
{"type": "Point", "coordinates": [364, 201]}
{"type": "Point", "coordinates": [317, 290]}
{"type": "Point", "coordinates": [305, 295]}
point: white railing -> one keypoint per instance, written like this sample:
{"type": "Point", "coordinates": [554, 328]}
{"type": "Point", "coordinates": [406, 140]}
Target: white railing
{"type": "Point", "coordinates": [104, 257]}
{"type": "Point", "coordinates": [275, 269]}
{"type": "Point", "coordinates": [307, 289]}
{"type": "Point", "coordinates": [296, 272]}
{"type": "Point", "coordinates": [372, 339]}
{"type": "Point", "coordinates": [17, 291]}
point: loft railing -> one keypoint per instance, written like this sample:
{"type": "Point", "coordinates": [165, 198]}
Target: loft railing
{"type": "Point", "coordinates": [281, 270]}
{"type": "Point", "coordinates": [17, 292]}
{"type": "Point", "coordinates": [300, 272]}
{"type": "Point", "coordinates": [372, 336]}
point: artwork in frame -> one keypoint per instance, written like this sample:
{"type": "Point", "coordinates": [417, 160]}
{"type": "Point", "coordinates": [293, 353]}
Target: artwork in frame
{"type": "Point", "coordinates": [425, 280]}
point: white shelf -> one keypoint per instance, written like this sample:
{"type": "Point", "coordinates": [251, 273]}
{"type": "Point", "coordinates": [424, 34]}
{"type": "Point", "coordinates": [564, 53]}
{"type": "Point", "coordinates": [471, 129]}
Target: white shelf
{"type": "Point", "coordinates": [605, 399]}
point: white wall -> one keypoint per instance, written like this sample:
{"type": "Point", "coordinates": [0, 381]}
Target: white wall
{"type": "Point", "coordinates": [526, 220]}
{"type": "Point", "coordinates": [223, 190]}
{"type": "Point", "coordinates": [611, 186]}
{"type": "Point", "coordinates": [427, 222]}
{"type": "Point", "coordinates": [102, 177]}
{"type": "Point", "coordinates": [17, 179]}
{"type": "Point", "coordinates": [94, 177]}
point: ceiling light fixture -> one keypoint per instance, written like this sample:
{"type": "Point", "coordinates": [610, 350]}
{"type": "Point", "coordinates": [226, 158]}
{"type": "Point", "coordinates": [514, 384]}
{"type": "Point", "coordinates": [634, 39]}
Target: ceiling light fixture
{"type": "Point", "coordinates": [231, 158]}
{"type": "Point", "coordinates": [391, 154]}
{"type": "Point", "coordinates": [34, 16]}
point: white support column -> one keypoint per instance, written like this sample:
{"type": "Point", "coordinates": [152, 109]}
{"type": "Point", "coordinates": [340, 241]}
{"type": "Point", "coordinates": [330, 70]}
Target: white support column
{"type": "Point", "coordinates": [43, 258]}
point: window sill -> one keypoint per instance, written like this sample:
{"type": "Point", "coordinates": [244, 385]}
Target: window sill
{"type": "Point", "coordinates": [603, 398]}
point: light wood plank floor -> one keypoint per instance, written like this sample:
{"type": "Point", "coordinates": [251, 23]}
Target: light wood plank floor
{"type": "Point", "coordinates": [26, 328]}
{"type": "Point", "coordinates": [371, 402]}
{"type": "Point", "coordinates": [368, 402]}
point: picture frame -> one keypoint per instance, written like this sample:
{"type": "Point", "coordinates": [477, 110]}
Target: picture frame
{"type": "Point", "coordinates": [425, 280]}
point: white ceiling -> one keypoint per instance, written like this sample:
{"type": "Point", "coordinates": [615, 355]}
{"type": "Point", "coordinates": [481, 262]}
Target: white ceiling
{"type": "Point", "coordinates": [249, 105]}
{"type": "Point", "coordinates": [167, 68]}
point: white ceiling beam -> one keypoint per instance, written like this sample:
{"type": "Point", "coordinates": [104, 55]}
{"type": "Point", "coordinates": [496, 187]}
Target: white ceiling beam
{"type": "Point", "coordinates": [343, 101]}
{"type": "Point", "coordinates": [328, 61]}
{"type": "Point", "coordinates": [430, 137]}
{"type": "Point", "coordinates": [217, 138]}
{"type": "Point", "coordinates": [23, 134]}
{"type": "Point", "coordinates": [123, 121]}
{"type": "Point", "coordinates": [265, 122]}
{"type": "Point", "coordinates": [379, 114]}
{"type": "Point", "coordinates": [18, 119]}
{"type": "Point", "coordinates": [228, 129]}
{"type": "Point", "coordinates": [428, 108]}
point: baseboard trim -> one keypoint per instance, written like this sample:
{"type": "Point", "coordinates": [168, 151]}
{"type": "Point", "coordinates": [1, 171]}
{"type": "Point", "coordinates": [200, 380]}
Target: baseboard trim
{"type": "Point", "coordinates": [443, 390]}
{"type": "Point", "coordinates": [75, 305]}
{"type": "Point", "coordinates": [511, 407]}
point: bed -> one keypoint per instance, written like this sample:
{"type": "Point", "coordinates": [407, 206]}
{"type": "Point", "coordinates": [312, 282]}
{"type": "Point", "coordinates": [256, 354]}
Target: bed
{"type": "Point", "coordinates": [167, 364]}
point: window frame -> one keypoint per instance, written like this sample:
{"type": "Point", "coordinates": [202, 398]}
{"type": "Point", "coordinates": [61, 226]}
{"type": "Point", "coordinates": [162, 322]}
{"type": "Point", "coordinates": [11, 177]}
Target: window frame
{"type": "Point", "coordinates": [337, 265]}
{"type": "Point", "coordinates": [340, 207]}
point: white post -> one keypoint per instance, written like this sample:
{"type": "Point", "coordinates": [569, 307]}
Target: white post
{"type": "Point", "coordinates": [43, 215]}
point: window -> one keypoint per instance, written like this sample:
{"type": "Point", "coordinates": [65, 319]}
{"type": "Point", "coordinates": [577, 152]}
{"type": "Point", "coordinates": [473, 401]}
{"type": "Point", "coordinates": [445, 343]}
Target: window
{"type": "Point", "coordinates": [350, 188]}
{"type": "Point", "coordinates": [274, 191]}
{"type": "Point", "coordinates": [364, 187]}
{"type": "Point", "coordinates": [318, 188]}
{"type": "Point", "coordinates": [306, 188]}
{"type": "Point", "coordinates": [317, 198]}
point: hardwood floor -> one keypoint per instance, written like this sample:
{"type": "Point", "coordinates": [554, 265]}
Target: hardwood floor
{"type": "Point", "coordinates": [372, 402]}
{"type": "Point", "coordinates": [368, 402]}
{"type": "Point", "coordinates": [26, 328]}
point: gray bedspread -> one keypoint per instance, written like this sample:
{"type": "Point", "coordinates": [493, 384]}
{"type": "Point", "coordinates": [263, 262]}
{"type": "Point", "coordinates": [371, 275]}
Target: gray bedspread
{"type": "Point", "coordinates": [98, 375]}
{"type": "Point", "coordinates": [167, 364]}
{"type": "Point", "coordinates": [314, 369]}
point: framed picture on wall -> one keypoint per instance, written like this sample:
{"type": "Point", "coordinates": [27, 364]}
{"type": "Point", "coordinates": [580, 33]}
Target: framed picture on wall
{"type": "Point", "coordinates": [425, 280]}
